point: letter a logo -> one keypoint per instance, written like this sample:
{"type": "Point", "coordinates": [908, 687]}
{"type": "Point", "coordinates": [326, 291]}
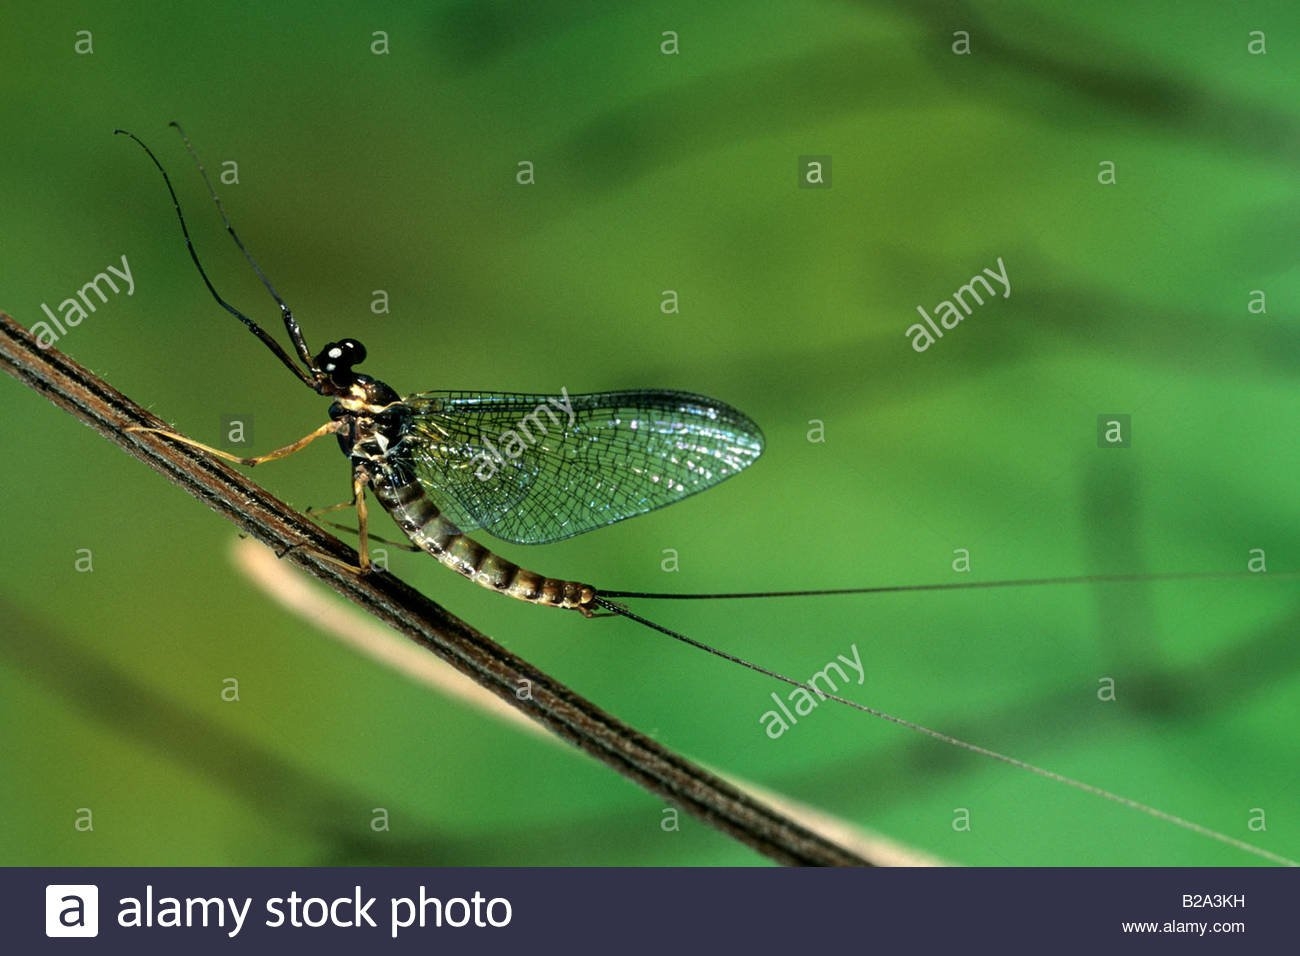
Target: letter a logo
{"type": "Point", "coordinates": [71, 909]}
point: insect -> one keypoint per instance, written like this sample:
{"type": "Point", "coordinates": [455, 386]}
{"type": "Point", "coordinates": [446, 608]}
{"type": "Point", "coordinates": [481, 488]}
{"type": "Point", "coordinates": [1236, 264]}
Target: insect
{"type": "Point", "coordinates": [529, 469]}
{"type": "Point", "coordinates": [510, 464]}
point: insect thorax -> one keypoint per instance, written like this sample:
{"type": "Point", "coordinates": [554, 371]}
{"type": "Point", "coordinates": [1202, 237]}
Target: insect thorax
{"type": "Point", "coordinates": [374, 418]}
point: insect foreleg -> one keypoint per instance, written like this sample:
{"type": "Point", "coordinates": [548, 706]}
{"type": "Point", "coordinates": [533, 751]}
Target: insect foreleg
{"type": "Point", "coordinates": [328, 428]}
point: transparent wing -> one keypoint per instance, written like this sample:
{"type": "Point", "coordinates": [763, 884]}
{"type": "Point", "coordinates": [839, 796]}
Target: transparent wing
{"type": "Point", "coordinates": [539, 468]}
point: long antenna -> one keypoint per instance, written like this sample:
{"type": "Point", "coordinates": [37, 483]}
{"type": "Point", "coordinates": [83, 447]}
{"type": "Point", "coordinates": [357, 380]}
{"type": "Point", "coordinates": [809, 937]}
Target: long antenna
{"type": "Point", "coordinates": [618, 609]}
{"type": "Point", "coordinates": [290, 323]}
{"type": "Point", "coordinates": [252, 326]}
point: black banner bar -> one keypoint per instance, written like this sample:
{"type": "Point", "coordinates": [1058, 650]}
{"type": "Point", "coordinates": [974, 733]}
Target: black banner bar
{"type": "Point", "coordinates": [262, 910]}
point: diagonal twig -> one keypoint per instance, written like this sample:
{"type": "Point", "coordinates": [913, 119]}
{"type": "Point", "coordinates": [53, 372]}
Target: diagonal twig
{"type": "Point", "coordinates": [290, 589]}
{"type": "Point", "coordinates": [554, 706]}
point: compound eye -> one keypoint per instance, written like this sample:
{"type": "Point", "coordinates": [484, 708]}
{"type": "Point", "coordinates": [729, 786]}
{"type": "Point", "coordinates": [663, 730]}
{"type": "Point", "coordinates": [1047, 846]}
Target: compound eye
{"type": "Point", "coordinates": [339, 357]}
{"type": "Point", "coordinates": [354, 350]}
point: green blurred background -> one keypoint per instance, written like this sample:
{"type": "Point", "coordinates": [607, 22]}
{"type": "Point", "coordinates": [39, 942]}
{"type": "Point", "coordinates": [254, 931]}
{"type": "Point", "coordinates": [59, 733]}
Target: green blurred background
{"type": "Point", "coordinates": [360, 172]}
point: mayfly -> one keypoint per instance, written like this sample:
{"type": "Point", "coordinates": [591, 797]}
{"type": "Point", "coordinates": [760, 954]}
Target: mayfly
{"type": "Point", "coordinates": [613, 456]}
{"type": "Point", "coordinates": [529, 469]}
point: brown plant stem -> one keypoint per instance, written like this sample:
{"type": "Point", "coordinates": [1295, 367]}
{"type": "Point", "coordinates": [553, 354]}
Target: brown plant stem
{"type": "Point", "coordinates": [554, 706]}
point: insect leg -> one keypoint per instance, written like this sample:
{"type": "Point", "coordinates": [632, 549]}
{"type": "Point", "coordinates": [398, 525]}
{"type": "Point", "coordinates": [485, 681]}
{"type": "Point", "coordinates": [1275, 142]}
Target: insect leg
{"type": "Point", "coordinates": [400, 545]}
{"type": "Point", "coordinates": [359, 481]}
{"type": "Point", "coordinates": [360, 478]}
{"type": "Point", "coordinates": [316, 514]}
{"type": "Point", "coordinates": [328, 428]}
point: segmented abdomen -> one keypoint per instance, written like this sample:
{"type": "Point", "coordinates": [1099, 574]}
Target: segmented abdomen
{"type": "Point", "coordinates": [422, 522]}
